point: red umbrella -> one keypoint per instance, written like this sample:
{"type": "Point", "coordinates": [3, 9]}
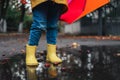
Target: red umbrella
{"type": "Point", "coordinates": [80, 8]}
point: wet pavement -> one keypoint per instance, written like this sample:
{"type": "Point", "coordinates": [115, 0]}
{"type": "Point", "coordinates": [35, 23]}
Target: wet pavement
{"type": "Point", "coordinates": [14, 43]}
{"type": "Point", "coordinates": [80, 62]}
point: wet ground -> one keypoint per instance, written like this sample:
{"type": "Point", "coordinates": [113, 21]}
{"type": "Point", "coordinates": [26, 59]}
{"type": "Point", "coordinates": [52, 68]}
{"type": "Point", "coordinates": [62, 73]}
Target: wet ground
{"type": "Point", "coordinates": [79, 63]}
{"type": "Point", "coordinates": [14, 43]}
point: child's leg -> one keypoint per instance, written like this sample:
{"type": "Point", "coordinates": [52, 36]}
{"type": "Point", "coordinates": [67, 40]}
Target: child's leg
{"type": "Point", "coordinates": [52, 23]}
{"type": "Point", "coordinates": [39, 24]}
{"type": "Point", "coordinates": [52, 31]}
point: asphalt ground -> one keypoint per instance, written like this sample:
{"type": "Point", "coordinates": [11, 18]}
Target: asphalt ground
{"type": "Point", "coordinates": [11, 44]}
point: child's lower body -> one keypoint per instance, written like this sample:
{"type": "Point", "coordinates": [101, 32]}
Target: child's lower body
{"type": "Point", "coordinates": [45, 18]}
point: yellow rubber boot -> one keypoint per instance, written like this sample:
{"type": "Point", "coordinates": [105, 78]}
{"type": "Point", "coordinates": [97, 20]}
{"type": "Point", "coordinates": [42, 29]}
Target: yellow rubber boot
{"type": "Point", "coordinates": [30, 55]}
{"type": "Point", "coordinates": [51, 54]}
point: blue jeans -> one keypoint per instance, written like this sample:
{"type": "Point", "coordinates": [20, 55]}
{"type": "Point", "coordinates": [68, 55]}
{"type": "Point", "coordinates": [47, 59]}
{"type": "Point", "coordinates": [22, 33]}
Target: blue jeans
{"type": "Point", "coordinates": [45, 18]}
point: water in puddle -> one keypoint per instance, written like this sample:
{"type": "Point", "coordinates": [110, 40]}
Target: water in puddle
{"type": "Point", "coordinates": [79, 63]}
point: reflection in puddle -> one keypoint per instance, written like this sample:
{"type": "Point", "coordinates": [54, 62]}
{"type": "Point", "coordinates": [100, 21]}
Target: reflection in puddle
{"type": "Point", "coordinates": [31, 73]}
{"type": "Point", "coordinates": [79, 63]}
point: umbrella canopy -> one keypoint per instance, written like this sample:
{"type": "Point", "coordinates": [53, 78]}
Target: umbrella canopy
{"type": "Point", "coordinates": [80, 8]}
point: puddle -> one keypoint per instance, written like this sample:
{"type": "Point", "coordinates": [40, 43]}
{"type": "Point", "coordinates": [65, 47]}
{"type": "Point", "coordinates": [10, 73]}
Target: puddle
{"type": "Point", "coordinates": [79, 63]}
